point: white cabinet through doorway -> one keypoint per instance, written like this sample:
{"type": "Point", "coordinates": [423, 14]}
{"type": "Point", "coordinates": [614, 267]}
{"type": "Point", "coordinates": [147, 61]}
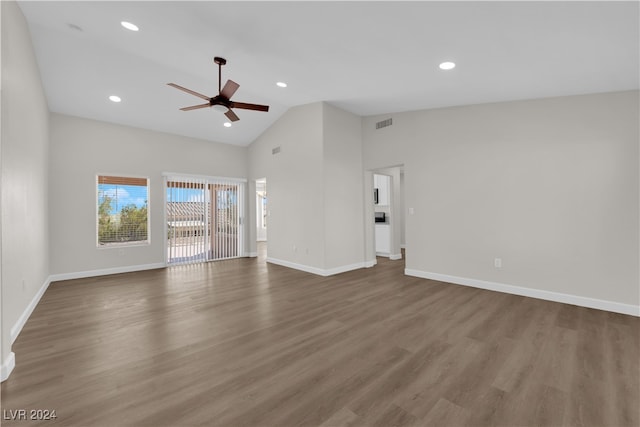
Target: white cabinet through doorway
{"type": "Point", "coordinates": [383, 239]}
{"type": "Point", "coordinates": [382, 183]}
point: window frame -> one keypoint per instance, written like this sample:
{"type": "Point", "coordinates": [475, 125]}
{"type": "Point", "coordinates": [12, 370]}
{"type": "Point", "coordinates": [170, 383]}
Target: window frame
{"type": "Point", "coordinates": [121, 245]}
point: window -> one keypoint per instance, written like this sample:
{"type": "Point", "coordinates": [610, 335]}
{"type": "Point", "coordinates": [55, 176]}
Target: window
{"type": "Point", "coordinates": [122, 210]}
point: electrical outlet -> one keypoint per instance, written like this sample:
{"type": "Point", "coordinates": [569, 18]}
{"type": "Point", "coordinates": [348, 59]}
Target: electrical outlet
{"type": "Point", "coordinates": [497, 263]}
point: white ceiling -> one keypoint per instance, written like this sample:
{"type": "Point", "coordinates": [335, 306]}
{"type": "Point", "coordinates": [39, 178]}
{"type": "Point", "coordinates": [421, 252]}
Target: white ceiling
{"type": "Point", "coordinates": [365, 57]}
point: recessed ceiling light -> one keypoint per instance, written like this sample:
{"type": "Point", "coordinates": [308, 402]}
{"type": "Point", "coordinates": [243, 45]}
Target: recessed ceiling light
{"type": "Point", "coordinates": [281, 84]}
{"type": "Point", "coordinates": [115, 98]}
{"type": "Point", "coordinates": [129, 26]}
{"type": "Point", "coordinates": [227, 124]}
{"type": "Point", "coordinates": [447, 66]}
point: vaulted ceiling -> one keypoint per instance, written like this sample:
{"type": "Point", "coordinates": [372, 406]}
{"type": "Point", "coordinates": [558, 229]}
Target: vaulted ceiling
{"type": "Point", "coordinates": [365, 57]}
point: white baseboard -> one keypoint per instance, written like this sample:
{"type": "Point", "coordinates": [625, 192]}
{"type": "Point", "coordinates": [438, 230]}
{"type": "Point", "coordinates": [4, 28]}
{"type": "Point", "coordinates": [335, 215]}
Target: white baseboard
{"type": "Point", "coordinates": [344, 268]}
{"type": "Point", "coordinates": [599, 304]}
{"type": "Point", "coordinates": [296, 266]}
{"type": "Point", "coordinates": [22, 320]}
{"type": "Point", "coordinates": [369, 264]}
{"type": "Point", "coordinates": [390, 256]}
{"type": "Point", "coordinates": [316, 270]}
{"type": "Point", "coordinates": [7, 366]}
{"type": "Point", "coordinates": [251, 254]}
{"type": "Point", "coordinates": [106, 271]}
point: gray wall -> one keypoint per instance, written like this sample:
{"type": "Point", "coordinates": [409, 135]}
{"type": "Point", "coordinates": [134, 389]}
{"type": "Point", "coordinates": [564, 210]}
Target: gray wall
{"type": "Point", "coordinates": [25, 151]}
{"type": "Point", "coordinates": [315, 187]}
{"type": "Point", "coordinates": [295, 185]}
{"type": "Point", "coordinates": [343, 188]}
{"type": "Point", "coordinates": [549, 186]}
{"type": "Point", "coordinates": [83, 148]}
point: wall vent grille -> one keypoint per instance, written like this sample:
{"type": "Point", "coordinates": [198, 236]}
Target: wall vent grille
{"type": "Point", "coordinates": [384, 123]}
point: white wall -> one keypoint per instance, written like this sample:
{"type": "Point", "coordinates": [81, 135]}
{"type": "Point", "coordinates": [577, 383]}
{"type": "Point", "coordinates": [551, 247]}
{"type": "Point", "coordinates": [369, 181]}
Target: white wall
{"type": "Point", "coordinates": [295, 184]}
{"type": "Point", "coordinates": [343, 188]}
{"type": "Point", "coordinates": [25, 150]}
{"type": "Point", "coordinates": [315, 188]}
{"type": "Point", "coordinates": [261, 232]}
{"type": "Point", "coordinates": [402, 211]}
{"type": "Point", "coordinates": [549, 186]}
{"type": "Point", "coordinates": [5, 367]}
{"type": "Point", "coordinates": [82, 148]}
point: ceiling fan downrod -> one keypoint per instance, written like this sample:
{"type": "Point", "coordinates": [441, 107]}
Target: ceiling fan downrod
{"type": "Point", "coordinates": [220, 62]}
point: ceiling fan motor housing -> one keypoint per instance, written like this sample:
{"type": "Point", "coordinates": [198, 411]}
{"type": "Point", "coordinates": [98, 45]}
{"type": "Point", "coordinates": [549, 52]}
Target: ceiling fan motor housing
{"type": "Point", "coordinates": [220, 100]}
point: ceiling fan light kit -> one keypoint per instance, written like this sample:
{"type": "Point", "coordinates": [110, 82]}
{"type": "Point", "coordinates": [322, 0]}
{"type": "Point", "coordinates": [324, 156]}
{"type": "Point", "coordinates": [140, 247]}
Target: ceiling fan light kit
{"type": "Point", "coordinates": [221, 102]}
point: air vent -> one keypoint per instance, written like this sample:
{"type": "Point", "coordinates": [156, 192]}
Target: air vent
{"type": "Point", "coordinates": [384, 123]}
{"type": "Point", "coordinates": [275, 150]}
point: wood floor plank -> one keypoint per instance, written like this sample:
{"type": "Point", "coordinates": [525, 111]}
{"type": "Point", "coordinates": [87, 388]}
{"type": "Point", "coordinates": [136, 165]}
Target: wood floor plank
{"type": "Point", "coordinates": [550, 407]}
{"type": "Point", "coordinates": [443, 374]}
{"type": "Point", "coordinates": [445, 413]}
{"type": "Point", "coordinates": [488, 408]}
{"type": "Point", "coordinates": [477, 376]}
{"type": "Point", "coordinates": [246, 343]}
{"type": "Point", "coordinates": [622, 375]}
{"type": "Point", "coordinates": [342, 418]}
{"type": "Point", "coordinates": [393, 382]}
{"type": "Point", "coordinates": [329, 396]}
{"type": "Point", "coordinates": [395, 416]}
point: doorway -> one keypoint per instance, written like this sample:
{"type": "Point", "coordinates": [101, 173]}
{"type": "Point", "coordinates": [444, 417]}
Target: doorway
{"type": "Point", "coordinates": [386, 214]}
{"type": "Point", "coordinates": [262, 214]}
{"type": "Point", "coordinates": [203, 219]}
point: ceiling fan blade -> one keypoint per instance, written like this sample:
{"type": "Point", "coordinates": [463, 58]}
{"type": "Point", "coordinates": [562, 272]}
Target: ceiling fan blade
{"type": "Point", "coordinates": [232, 116]}
{"type": "Point", "coordinates": [195, 107]}
{"type": "Point", "coordinates": [230, 87]}
{"type": "Point", "coordinates": [246, 106]}
{"type": "Point", "coordinates": [199, 95]}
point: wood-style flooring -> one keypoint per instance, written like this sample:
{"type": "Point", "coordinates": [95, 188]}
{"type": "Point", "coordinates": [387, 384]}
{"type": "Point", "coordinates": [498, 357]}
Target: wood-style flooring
{"type": "Point", "coordinates": [245, 343]}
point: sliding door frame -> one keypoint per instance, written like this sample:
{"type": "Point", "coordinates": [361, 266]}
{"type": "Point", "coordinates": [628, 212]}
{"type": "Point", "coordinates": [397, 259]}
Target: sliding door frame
{"type": "Point", "coordinates": [210, 182]}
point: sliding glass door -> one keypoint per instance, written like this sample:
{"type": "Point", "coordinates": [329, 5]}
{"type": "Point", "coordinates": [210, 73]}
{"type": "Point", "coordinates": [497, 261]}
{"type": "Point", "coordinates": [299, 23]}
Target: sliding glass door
{"type": "Point", "coordinates": [204, 218]}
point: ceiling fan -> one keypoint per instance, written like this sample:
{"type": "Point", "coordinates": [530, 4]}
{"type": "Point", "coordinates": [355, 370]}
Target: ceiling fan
{"type": "Point", "coordinates": [222, 101]}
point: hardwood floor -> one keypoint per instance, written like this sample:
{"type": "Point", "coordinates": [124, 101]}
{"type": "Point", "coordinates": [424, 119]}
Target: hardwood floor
{"type": "Point", "coordinates": [244, 343]}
